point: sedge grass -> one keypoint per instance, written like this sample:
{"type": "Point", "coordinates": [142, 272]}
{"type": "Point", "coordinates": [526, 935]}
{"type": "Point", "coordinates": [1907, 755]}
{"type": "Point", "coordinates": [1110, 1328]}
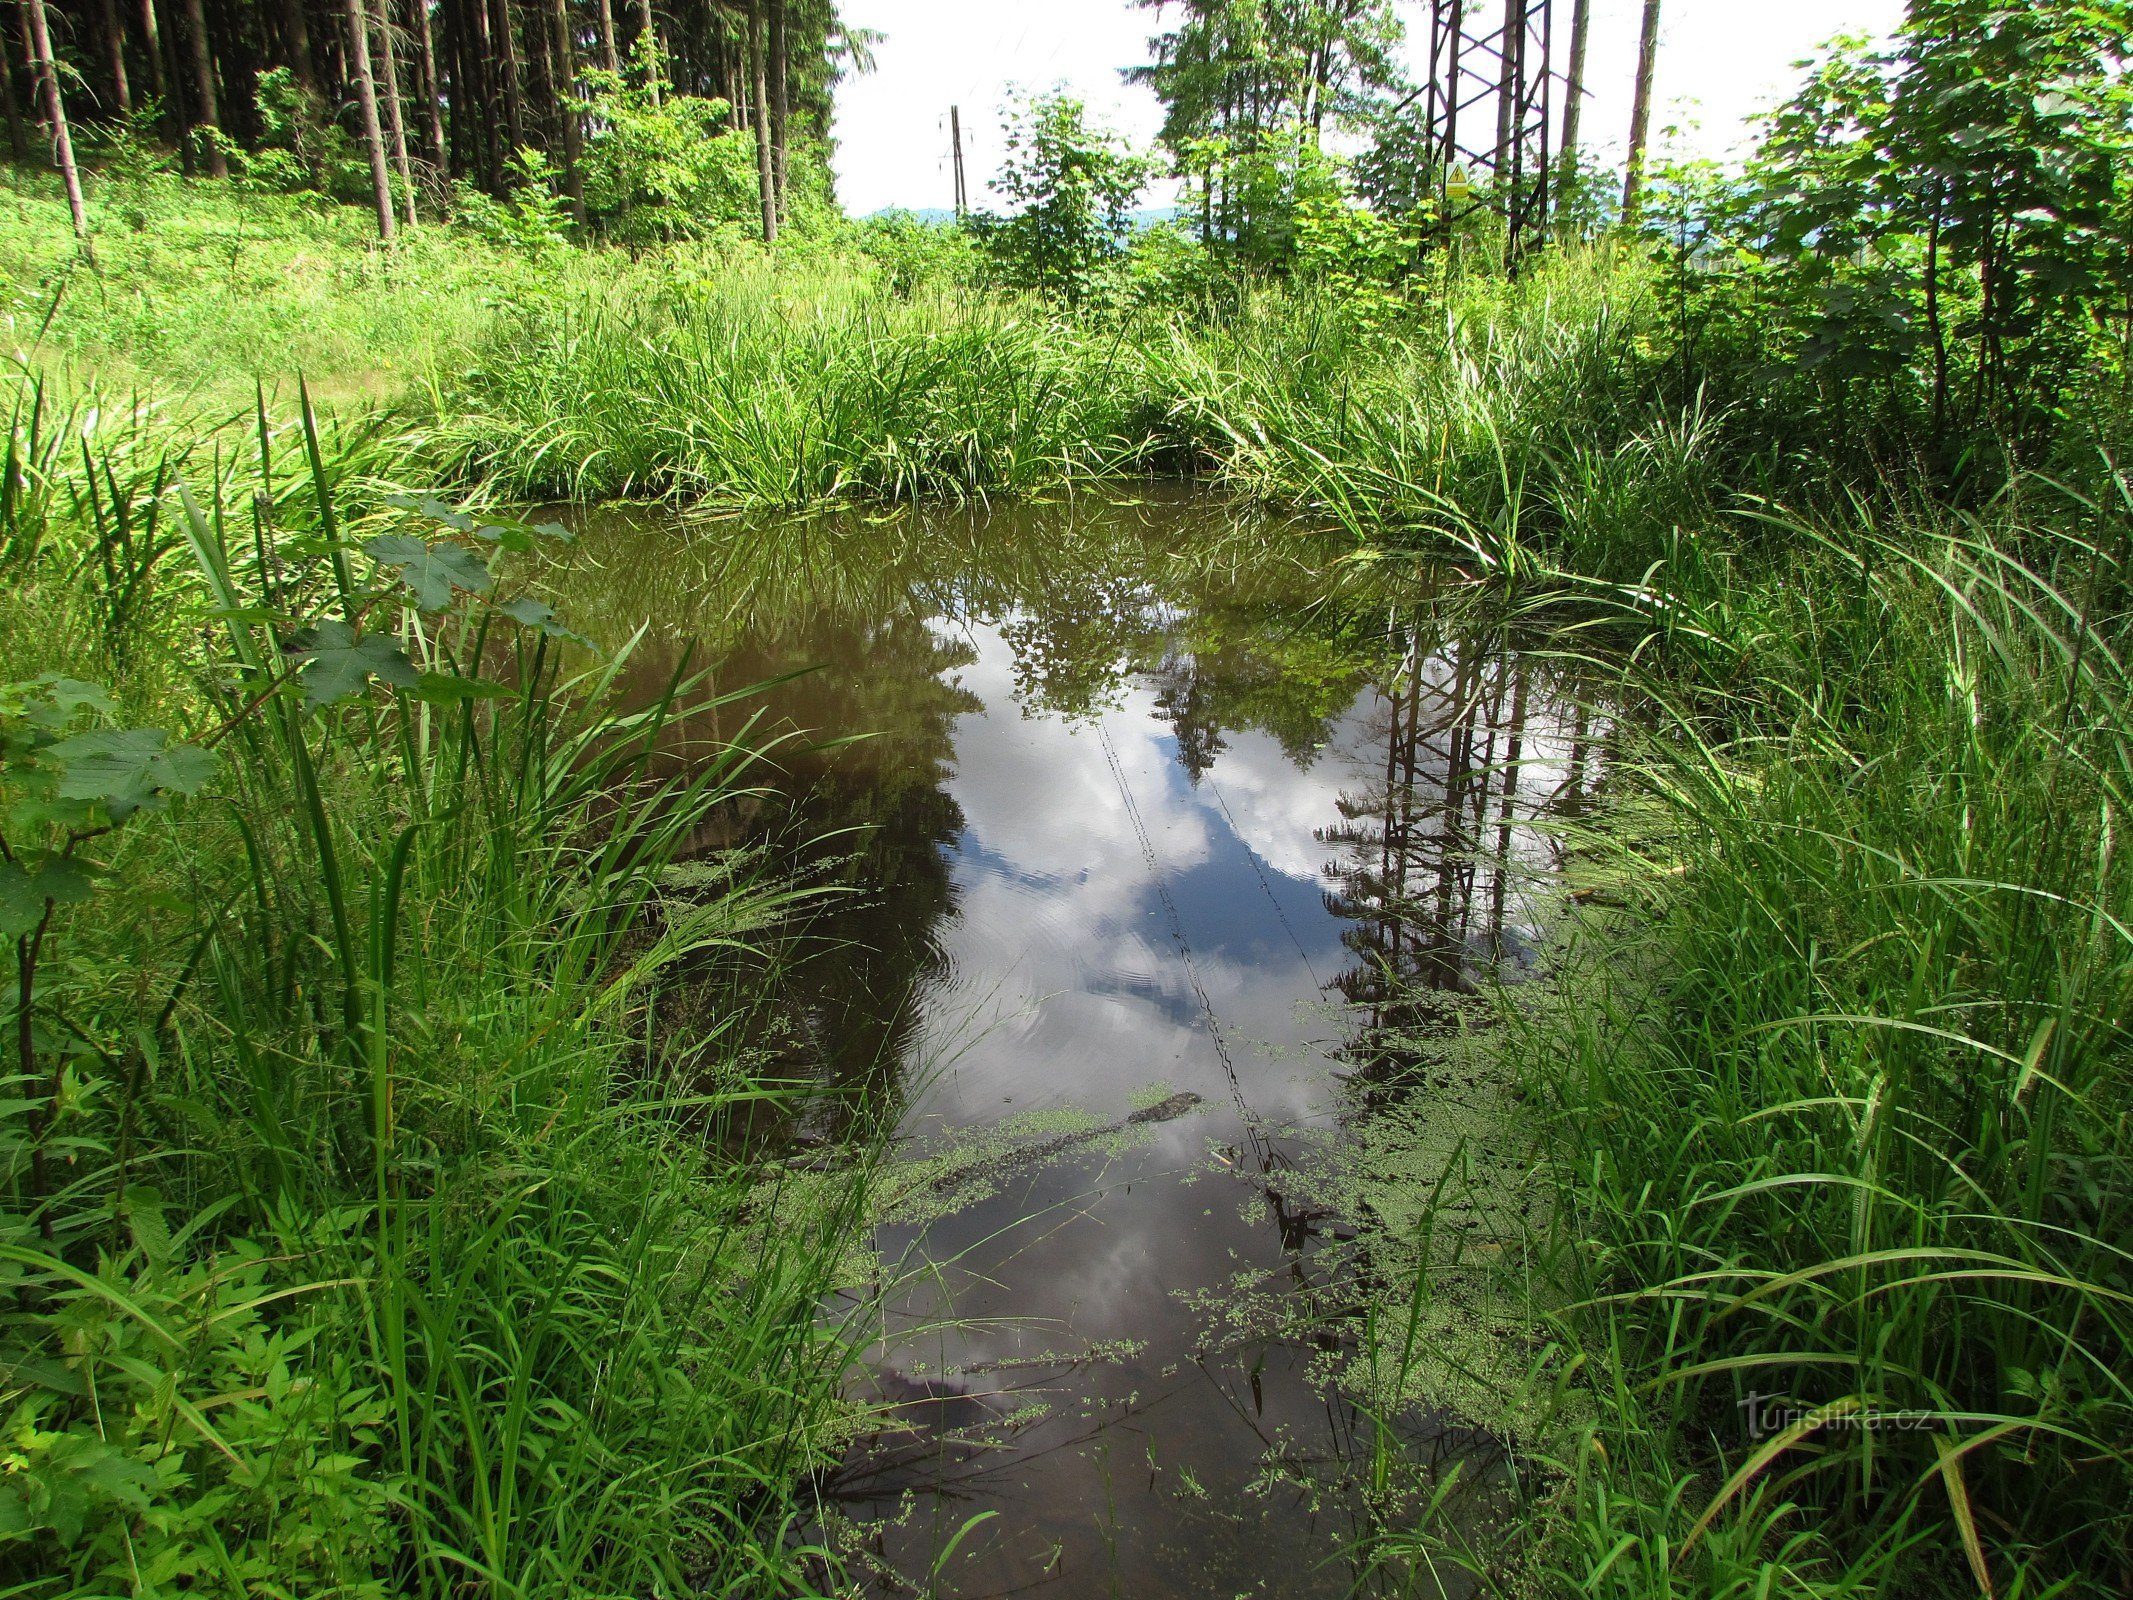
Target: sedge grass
{"type": "Point", "coordinates": [1835, 1090]}
{"type": "Point", "coordinates": [386, 1258]}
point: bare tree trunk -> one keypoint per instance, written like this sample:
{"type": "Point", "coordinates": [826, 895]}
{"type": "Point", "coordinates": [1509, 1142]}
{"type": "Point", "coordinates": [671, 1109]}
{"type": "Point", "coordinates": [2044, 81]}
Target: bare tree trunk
{"type": "Point", "coordinates": [1640, 116]}
{"type": "Point", "coordinates": [741, 113]}
{"type": "Point", "coordinates": [476, 56]}
{"type": "Point", "coordinates": [296, 45]}
{"type": "Point", "coordinates": [169, 79]}
{"type": "Point", "coordinates": [1574, 94]}
{"type": "Point", "coordinates": [563, 77]}
{"type": "Point", "coordinates": [645, 30]}
{"type": "Point", "coordinates": [56, 110]}
{"type": "Point", "coordinates": [395, 124]}
{"type": "Point", "coordinates": [218, 165]}
{"type": "Point", "coordinates": [113, 40]}
{"type": "Point", "coordinates": [1513, 40]}
{"type": "Point", "coordinates": [153, 34]}
{"type": "Point", "coordinates": [780, 109]}
{"type": "Point", "coordinates": [432, 95]}
{"type": "Point", "coordinates": [381, 183]}
{"type": "Point", "coordinates": [18, 133]}
{"type": "Point", "coordinates": [760, 93]}
{"type": "Point", "coordinates": [514, 88]}
{"type": "Point", "coordinates": [608, 52]}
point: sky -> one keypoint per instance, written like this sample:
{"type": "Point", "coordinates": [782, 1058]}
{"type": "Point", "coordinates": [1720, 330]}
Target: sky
{"type": "Point", "coordinates": [1720, 61]}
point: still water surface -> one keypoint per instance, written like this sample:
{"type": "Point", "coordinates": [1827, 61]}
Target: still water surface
{"type": "Point", "coordinates": [1139, 817]}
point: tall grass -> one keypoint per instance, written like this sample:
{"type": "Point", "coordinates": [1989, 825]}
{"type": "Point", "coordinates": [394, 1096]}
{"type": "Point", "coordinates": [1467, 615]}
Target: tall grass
{"type": "Point", "coordinates": [388, 1256]}
{"type": "Point", "coordinates": [1837, 1089]}
{"type": "Point", "coordinates": [1484, 426]}
{"type": "Point", "coordinates": [742, 390]}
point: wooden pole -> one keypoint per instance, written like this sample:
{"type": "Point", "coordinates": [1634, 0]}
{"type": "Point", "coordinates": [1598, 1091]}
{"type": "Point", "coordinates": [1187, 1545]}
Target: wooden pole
{"type": "Point", "coordinates": [962, 194]}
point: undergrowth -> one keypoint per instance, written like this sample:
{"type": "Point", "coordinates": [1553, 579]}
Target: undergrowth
{"type": "Point", "coordinates": [355, 1239]}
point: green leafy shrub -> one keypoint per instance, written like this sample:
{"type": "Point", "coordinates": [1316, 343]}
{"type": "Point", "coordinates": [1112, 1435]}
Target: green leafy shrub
{"type": "Point", "coordinates": [1070, 187]}
{"type": "Point", "coordinates": [661, 167]}
{"type": "Point", "coordinates": [915, 257]}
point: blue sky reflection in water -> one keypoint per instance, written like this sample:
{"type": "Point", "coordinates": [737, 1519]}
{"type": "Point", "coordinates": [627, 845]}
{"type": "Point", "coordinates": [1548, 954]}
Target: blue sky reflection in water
{"type": "Point", "coordinates": [1129, 834]}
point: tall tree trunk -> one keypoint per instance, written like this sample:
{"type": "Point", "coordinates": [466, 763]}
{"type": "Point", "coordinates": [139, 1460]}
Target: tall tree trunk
{"type": "Point", "coordinates": [609, 55]}
{"type": "Point", "coordinates": [462, 131]}
{"type": "Point", "coordinates": [381, 183]}
{"type": "Point", "coordinates": [474, 90]}
{"type": "Point", "coordinates": [1574, 96]}
{"type": "Point", "coordinates": [432, 95]}
{"type": "Point", "coordinates": [758, 74]}
{"type": "Point", "coordinates": [395, 123]}
{"type": "Point", "coordinates": [18, 133]}
{"type": "Point", "coordinates": [204, 101]}
{"type": "Point", "coordinates": [563, 76]}
{"type": "Point", "coordinates": [780, 107]}
{"type": "Point", "coordinates": [170, 83]}
{"type": "Point", "coordinates": [56, 111]}
{"type": "Point", "coordinates": [476, 93]}
{"type": "Point", "coordinates": [1513, 42]}
{"type": "Point", "coordinates": [113, 38]}
{"type": "Point", "coordinates": [230, 39]}
{"type": "Point", "coordinates": [646, 31]}
{"type": "Point", "coordinates": [1640, 116]}
{"type": "Point", "coordinates": [152, 36]}
{"type": "Point", "coordinates": [514, 85]}
{"type": "Point", "coordinates": [296, 45]}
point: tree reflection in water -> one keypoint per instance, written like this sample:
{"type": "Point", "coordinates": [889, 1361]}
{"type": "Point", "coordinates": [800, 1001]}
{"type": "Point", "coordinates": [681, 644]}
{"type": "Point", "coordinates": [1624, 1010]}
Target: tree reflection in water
{"type": "Point", "coordinates": [1119, 797]}
{"type": "Point", "coordinates": [1483, 745]}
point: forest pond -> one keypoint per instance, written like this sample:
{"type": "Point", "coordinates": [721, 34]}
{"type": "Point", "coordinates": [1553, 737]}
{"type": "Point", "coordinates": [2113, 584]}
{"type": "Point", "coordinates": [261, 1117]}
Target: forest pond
{"type": "Point", "coordinates": [1135, 822]}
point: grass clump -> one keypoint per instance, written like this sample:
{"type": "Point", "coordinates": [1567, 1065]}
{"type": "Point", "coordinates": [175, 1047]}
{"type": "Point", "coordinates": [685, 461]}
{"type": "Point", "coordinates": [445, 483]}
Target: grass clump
{"type": "Point", "coordinates": [355, 1239]}
{"type": "Point", "coordinates": [1835, 1074]}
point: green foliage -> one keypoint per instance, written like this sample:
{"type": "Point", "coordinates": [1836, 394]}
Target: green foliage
{"type": "Point", "coordinates": [350, 1239]}
{"type": "Point", "coordinates": [915, 257]}
{"type": "Point", "coordinates": [1354, 255]}
{"type": "Point", "coordinates": [533, 220]}
{"type": "Point", "coordinates": [1249, 88]}
{"type": "Point", "coordinates": [662, 166]}
{"type": "Point", "coordinates": [1838, 1089]}
{"type": "Point", "coordinates": [301, 147]}
{"type": "Point", "coordinates": [201, 289]}
{"type": "Point", "coordinates": [733, 391]}
{"type": "Point", "coordinates": [1070, 187]}
{"type": "Point", "coordinates": [1934, 240]}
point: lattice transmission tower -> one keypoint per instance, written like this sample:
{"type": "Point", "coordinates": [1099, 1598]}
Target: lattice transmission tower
{"type": "Point", "coordinates": [1489, 94]}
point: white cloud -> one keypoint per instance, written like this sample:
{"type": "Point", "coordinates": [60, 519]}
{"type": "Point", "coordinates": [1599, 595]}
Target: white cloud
{"type": "Point", "coordinates": [1720, 61]}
